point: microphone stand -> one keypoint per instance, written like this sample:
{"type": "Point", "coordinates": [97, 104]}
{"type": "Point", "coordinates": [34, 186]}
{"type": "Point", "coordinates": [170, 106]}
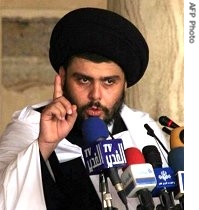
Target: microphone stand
{"type": "Point", "coordinates": [105, 194]}
{"type": "Point", "coordinates": [180, 206]}
{"type": "Point", "coordinates": [167, 201]}
{"type": "Point", "coordinates": [181, 200]}
{"type": "Point", "coordinates": [146, 200]}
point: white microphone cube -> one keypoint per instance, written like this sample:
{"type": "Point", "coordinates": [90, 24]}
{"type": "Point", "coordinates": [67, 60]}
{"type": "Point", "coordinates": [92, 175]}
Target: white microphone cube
{"type": "Point", "coordinates": [137, 177]}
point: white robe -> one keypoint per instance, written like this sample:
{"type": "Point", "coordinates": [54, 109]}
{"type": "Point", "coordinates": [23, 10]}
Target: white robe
{"type": "Point", "coordinates": [20, 172]}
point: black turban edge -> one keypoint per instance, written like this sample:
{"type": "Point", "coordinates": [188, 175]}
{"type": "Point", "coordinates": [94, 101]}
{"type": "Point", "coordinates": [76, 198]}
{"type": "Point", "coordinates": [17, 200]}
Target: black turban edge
{"type": "Point", "coordinates": [95, 30]}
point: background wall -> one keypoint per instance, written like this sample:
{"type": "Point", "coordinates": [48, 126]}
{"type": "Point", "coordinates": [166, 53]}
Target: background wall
{"type": "Point", "coordinates": [26, 76]}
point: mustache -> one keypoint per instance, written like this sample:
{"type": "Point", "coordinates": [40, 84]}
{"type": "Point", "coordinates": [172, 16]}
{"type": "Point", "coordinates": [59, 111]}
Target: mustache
{"type": "Point", "coordinates": [95, 104]}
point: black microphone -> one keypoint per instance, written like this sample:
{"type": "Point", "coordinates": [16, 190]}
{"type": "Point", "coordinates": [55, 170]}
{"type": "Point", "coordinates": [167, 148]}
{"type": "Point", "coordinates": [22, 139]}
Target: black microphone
{"type": "Point", "coordinates": [102, 155]}
{"type": "Point", "coordinates": [165, 121]}
{"type": "Point", "coordinates": [151, 133]}
{"type": "Point", "coordinates": [166, 179]}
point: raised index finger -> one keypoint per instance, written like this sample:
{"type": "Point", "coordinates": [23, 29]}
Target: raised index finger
{"type": "Point", "coordinates": [57, 87]}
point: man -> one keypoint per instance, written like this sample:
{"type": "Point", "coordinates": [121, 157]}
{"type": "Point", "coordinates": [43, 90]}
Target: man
{"type": "Point", "coordinates": [97, 54]}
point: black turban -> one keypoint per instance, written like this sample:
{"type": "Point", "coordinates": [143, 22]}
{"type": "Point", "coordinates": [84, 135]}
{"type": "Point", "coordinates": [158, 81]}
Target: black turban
{"type": "Point", "coordinates": [101, 32]}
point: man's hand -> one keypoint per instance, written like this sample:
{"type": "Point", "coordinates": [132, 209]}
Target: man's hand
{"type": "Point", "coordinates": [57, 120]}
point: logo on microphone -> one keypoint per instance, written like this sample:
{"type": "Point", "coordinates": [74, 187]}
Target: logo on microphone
{"type": "Point", "coordinates": [166, 179]}
{"type": "Point", "coordinates": [164, 176]}
{"type": "Point", "coordinates": [104, 154]}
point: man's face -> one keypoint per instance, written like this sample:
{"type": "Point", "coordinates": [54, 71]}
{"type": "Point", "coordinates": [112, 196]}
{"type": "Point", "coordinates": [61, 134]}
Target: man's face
{"type": "Point", "coordinates": [96, 88]}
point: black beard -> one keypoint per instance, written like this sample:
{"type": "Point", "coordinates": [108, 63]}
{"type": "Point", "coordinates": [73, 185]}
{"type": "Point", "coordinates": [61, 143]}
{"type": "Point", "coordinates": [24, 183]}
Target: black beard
{"type": "Point", "coordinates": [110, 115]}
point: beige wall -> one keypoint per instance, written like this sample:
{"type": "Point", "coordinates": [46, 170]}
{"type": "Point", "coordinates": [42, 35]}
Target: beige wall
{"type": "Point", "coordinates": [161, 90]}
{"type": "Point", "coordinates": [25, 73]}
{"type": "Point", "coordinates": [26, 76]}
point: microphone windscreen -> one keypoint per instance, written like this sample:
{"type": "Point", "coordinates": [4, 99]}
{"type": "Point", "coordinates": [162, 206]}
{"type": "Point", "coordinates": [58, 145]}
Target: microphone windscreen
{"type": "Point", "coordinates": [165, 121]}
{"type": "Point", "coordinates": [134, 156]}
{"type": "Point", "coordinates": [152, 156]}
{"type": "Point", "coordinates": [177, 137]}
{"type": "Point", "coordinates": [94, 129]}
{"type": "Point", "coordinates": [181, 135]}
{"type": "Point", "coordinates": [176, 159]}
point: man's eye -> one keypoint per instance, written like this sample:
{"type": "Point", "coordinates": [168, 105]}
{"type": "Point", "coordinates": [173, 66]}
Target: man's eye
{"type": "Point", "coordinates": [109, 81]}
{"type": "Point", "coordinates": [83, 80]}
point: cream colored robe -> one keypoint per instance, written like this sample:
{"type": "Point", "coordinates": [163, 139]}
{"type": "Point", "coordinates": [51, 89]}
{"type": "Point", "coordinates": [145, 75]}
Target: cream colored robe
{"type": "Point", "coordinates": [20, 172]}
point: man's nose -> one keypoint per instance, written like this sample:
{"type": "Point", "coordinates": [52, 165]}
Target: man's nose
{"type": "Point", "coordinates": [95, 91]}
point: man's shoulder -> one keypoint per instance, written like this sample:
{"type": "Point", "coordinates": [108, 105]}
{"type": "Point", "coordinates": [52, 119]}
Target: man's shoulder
{"type": "Point", "coordinates": [137, 118]}
{"type": "Point", "coordinates": [29, 112]}
{"type": "Point", "coordinates": [127, 110]}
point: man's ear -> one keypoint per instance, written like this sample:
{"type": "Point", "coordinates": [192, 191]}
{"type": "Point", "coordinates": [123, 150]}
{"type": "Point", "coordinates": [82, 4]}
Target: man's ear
{"type": "Point", "coordinates": [62, 74]}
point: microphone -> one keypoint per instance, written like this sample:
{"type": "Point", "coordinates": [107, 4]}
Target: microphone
{"type": "Point", "coordinates": [151, 133]}
{"type": "Point", "coordinates": [102, 155]}
{"type": "Point", "coordinates": [165, 121]}
{"type": "Point", "coordinates": [177, 137]}
{"type": "Point", "coordinates": [166, 180]}
{"type": "Point", "coordinates": [176, 162]}
{"type": "Point", "coordinates": [138, 178]}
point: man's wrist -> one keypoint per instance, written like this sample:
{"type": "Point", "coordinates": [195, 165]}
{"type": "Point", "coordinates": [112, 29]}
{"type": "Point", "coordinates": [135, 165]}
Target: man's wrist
{"type": "Point", "coordinates": [46, 149]}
